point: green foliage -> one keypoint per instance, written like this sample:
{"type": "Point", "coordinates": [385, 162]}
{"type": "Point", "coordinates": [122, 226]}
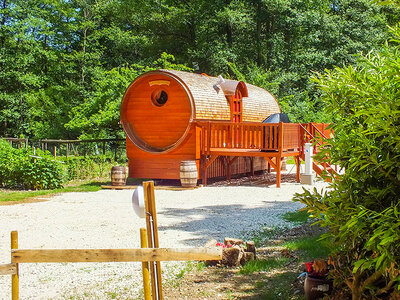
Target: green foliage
{"type": "Point", "coordinates": [65, 64]}
{"type": "Point", "coordinates": [88, 167]}
{"type": "Point", "coordinates": [298, 217]}
{"type": "Point", "coordinates": [98, 116]}
{"type": "Point", "coordinates": [262, 236]}
{"type": "Point", "coordinates": [28, 195]}
{"type": "Point", "coordinates": [19, 168]}
{"type": "Point", "coordinates": [310, 247]}
{"type": "Point", "coordinates": [263, 265]}
{"type": "Point", "coordinates": [361, 208]}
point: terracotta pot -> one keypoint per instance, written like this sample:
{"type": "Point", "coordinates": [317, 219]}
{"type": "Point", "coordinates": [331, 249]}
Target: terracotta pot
{"type": "Point", "coordinates": [315, 288]}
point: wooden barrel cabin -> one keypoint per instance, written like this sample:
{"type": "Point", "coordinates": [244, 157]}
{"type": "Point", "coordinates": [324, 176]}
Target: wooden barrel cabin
{"type": "Point", "coordinates": [163, 113]}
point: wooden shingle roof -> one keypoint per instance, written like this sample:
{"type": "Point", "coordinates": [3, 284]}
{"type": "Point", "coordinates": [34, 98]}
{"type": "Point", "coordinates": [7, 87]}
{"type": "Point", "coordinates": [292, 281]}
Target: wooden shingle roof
{"type": "Point", "coordinates": [211, 103]}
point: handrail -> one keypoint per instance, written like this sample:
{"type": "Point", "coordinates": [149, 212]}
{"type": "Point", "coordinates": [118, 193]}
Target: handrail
{"type": "Point", "coordinates": [312, 136]}
{"type": "Point", "coordinates": [315, 127]}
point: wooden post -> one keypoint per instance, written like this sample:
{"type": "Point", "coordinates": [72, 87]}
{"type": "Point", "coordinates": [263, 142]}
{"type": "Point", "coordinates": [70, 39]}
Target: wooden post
{"type": "Point", "coordinates": [55, 152]}
{"type": "Point", "coordinates": [278, 171]}
{"type": "Point", "coordinates": [145, 266]}
{"type": "Point", "coordinates": [228, 168]}
{"type": "Point", "coordinates": [66, 150]}
{"type": "Point", "coordinates": [14, 277]}
{"type": "Point", "coordinates": [298, 165]}
{"type": "Point", "coordinates": [152, 236]}
{"type": "Point", "coordinates": [252, 166]}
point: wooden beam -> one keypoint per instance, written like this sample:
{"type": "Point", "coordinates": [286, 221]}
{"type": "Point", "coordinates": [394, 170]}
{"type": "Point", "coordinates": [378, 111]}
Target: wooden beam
{"type": "Point", "coordinates": [231, 161]}
{"type": "Point", "coordinates": [114, 255]}
{"type": "Point", "coordinates": [210, 160]}
{"type": "Point", "coordinates": [269, 160]}
{"type": "Point", "coordinates": [8, 269]}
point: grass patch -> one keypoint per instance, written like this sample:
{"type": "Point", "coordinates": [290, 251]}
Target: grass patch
{"type": "Point", "coordinates": [92, 186]}
{"type": "Point", "coordinates": [261, 237]}
{"type": "Point", "coordinates": [297, 217]}
{"type": "Point", "coordinates": [280, 286]}
{"type": "Point", "coordinates": [263, 265]}
{"type": "Point", "coordinates": [187, 268]}
{"type": "Point", "coordinates": [310, 248]}
{"type": "Point", "coordinates": [290, 161]}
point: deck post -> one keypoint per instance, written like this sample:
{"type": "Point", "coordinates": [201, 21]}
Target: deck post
{"type": "Point", "coordinates": [252, 166]}
{"type": "Point", "coordinates": [228, 168]}
{"type": "Point", "coordinates": [279, 157]}
{"type": "Point", "coordinates": [204, 170]}
{"type": "Point", "coordinates": [278, 171]}
{"type": "Point", "coordinates": [298, 165]}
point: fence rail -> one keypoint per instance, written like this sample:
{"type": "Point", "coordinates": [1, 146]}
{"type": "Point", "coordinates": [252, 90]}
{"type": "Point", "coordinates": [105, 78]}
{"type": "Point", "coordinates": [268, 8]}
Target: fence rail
{"type": "Point", "coordinates": [72, 147]}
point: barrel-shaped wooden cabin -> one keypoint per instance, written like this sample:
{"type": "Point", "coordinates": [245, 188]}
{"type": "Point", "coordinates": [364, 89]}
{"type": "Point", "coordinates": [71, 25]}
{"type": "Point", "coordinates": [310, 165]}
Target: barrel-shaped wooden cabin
{"type": "Point", "coordinates": [163, 112]}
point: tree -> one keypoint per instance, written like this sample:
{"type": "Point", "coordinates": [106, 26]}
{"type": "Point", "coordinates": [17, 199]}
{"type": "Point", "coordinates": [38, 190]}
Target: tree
{"type": "Point", "coordinates": [361, 208]}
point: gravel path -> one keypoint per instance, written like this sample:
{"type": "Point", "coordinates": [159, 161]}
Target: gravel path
{"type": "Point", "coordinates": [105, 219]}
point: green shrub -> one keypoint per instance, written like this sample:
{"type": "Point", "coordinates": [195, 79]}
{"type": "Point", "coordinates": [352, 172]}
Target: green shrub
{"type": "Point", "coordinates": [362, 207]}
{"type": "Point", "coordinates": [86, 167]}
{"type": "Point", "coordinates": [19, 168]}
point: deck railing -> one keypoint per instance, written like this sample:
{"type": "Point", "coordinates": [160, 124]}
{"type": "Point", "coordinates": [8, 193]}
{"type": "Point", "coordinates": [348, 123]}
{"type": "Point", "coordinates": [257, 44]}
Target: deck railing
{"type": "Point", "coordinates": [279, 137]}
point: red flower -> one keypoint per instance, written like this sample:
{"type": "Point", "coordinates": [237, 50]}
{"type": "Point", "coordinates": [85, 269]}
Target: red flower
{"type": "Point", "coordinates": [309, 267]}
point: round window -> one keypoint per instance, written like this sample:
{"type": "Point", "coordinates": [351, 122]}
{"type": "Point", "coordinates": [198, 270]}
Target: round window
{"type": "Point", "coordinates": [159, 97]}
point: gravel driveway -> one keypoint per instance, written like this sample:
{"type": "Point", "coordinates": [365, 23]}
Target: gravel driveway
{"type": "Point", "coordinates": [105, 219]}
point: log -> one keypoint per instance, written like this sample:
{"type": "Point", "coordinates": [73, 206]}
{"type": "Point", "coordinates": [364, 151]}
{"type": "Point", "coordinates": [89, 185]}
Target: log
{"type": "Point", "coordinates": [114, 255]}
{"type": "Point", "coordinates": [8, 269]}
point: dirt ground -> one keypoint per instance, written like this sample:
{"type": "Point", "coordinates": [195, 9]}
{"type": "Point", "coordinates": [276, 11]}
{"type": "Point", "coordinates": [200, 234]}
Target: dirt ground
{"type": "Point", "coordinates": [228, 283]}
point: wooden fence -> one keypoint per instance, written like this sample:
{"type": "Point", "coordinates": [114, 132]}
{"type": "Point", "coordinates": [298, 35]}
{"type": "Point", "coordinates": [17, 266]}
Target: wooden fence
{"type": "Point", "coordinates": [19, 256]}
{"type": "Point", "coordinates": [116, 147]}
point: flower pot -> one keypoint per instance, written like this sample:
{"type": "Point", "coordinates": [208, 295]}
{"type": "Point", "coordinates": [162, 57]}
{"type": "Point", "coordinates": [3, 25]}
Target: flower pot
{"type": "Point", "coordinates": [316, 288]}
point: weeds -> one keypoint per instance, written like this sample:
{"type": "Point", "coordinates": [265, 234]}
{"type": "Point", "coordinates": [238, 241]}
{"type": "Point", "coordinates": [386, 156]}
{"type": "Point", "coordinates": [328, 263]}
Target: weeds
{"type": "Point", "coordinates": [310, 248]}
{"type": "Point", "coordinates": [263, 265]}
{"type": "Point", "coordinates": [298, 217]}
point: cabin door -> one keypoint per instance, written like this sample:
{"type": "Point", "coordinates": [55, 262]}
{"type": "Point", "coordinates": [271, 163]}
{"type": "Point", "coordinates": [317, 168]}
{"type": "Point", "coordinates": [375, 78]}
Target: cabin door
{"type": "Point", "coordinates": [236, 117]}
{"type": "Point", "coordinates": [236, 107]}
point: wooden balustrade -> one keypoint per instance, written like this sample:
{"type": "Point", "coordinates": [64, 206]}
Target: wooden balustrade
{"type": "Point", "coordinates": [279, 137]}
{"type": "Point", "coordinates": [230, 135]}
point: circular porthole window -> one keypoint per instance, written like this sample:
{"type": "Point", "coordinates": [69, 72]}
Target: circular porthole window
{"type": "Point", "coordinates": [159, 97]}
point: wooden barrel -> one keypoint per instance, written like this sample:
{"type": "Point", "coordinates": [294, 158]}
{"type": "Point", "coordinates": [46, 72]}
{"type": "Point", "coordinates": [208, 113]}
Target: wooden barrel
{"type": "Point", "coordinates": [188, 173]}
{"type": "Point", "coordinates": [118, 175]}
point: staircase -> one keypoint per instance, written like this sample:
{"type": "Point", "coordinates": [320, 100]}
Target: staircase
{"type": "Point", "coordinates": [309, 135]}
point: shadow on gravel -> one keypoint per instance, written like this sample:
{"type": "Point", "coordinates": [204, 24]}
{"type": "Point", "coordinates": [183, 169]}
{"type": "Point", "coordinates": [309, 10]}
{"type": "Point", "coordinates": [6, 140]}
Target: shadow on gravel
{"type": "Point", "coordinates": [222, 221]}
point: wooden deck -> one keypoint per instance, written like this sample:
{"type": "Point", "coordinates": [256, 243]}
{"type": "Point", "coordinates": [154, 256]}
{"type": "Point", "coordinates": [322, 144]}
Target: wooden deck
{"type": "Point", "coordinates": [273, 142]}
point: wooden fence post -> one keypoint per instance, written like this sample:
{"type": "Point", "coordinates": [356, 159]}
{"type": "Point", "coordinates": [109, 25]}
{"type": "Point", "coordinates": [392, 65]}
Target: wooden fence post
{"type": "Point", "coordinates": [152, 236]}
{"type": "Point", "coordinates": [145, 266]}
{"type": "Point", "coordinates": [14, 277]}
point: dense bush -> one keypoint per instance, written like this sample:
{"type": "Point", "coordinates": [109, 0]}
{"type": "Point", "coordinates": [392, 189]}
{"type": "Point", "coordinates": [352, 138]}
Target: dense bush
{"type": "Point", "coordinates": [20, 169]}
{"type": "Point", "coordinates": [85, 167]}
{"type": "Point", "coordinates": [362, 208]}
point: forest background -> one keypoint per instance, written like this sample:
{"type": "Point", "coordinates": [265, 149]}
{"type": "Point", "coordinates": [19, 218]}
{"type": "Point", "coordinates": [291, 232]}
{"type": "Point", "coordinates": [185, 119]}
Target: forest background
{"type": "Point", "coordinates": [65, 64]}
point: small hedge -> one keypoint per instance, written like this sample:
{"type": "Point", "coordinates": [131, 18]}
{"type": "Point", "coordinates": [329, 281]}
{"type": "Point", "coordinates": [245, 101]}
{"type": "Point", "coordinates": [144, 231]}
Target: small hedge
{"type": "Point", "coordinates": [19, 169]}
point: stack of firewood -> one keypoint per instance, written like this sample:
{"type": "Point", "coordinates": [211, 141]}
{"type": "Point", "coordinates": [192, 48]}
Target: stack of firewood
{"type": "Point", "coordinates": [235, 252]}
